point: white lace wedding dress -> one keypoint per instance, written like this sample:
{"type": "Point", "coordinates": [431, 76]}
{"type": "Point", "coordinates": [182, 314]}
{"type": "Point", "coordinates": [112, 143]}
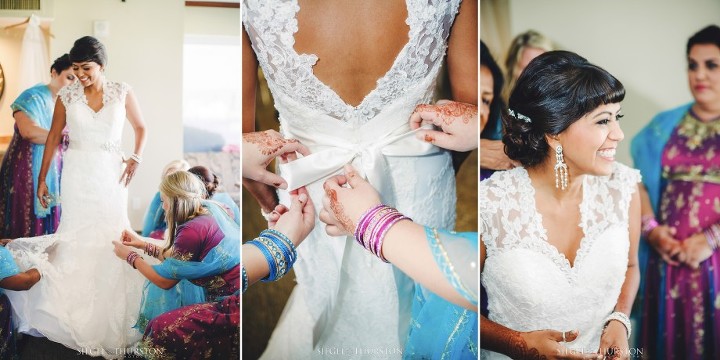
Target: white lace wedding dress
{"type": "Point", "coordinates": [87, 299]}
{"type": "Point", "coordinates": [346, 302]}
{"type": "Point", "coordinates": [530, 285]}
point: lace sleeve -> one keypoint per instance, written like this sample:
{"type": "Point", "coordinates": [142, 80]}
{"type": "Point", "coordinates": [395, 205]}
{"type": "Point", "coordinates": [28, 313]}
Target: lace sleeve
{"type": "Point", "coordinates": [70, 94]}
{"type": "Point", "coordinates": [623, 183]}
{"type": "Point", "coordinates": [115, 92]}
{"type": "Point", "coordinates": [487, 208]}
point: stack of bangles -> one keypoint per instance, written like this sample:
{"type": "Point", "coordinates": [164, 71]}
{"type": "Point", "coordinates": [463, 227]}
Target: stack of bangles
{"type": "Point", "coordinates": [622, 318]}
{"type": "Point", "coordinates": [136, 158]}
{"type": "Point", "coordinates": [131, 257]}
{"type": "Point", "coordinates": [374, 225]}
{"type": "Point", "coordinates": [152, 250]}
{"type": "Point", "coordinates": [648, 223]}
{"type": "Point", "coordinates": [244, 278]}
{"type": "Point", "coordinates": [279, 252]}
{"type": "Point", "coordinates": [712, 234]}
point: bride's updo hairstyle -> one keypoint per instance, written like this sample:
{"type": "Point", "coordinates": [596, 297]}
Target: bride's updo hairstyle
{"type": "Point", "coordinates": [88, 48]}
{"type": "Point", "coordinates": [556, 89]}
{"type": "Point", "coordinates": [185, 192]}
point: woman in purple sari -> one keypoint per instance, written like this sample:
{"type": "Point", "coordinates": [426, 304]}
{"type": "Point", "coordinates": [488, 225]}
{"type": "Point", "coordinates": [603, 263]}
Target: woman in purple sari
{"type": "Point", "coordinates": [677, 154]}
{"type": "Point", "coordinates": [21, 214]}
{"type": "Point", "coordinates": [203, 249]}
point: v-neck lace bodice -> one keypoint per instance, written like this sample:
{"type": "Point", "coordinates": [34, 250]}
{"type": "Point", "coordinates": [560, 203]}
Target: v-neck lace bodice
{"type": "Point", "coordinates": [88, 127]}
{"type": "Point", "coordinates": [530, 284]}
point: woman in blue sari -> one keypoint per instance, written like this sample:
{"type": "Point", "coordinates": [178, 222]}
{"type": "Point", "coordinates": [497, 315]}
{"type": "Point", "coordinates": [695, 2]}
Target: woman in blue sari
{"type": "Point", "coordinates": [21, 214]}
{"type": "Point", "coordinates": [200, 316]}
{"type": "Point", "coordinates": [154, 224]}
{"type": "Point", "coordinates": [11, 278]}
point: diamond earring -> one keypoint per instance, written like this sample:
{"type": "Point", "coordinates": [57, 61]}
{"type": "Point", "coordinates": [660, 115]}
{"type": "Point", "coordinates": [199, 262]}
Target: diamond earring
{"type": "Point", "coordinates": [561, 170]}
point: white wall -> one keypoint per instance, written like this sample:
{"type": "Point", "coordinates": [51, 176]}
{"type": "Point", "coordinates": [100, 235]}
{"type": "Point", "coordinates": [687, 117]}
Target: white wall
{"type": "Point", "coordinates": [641, 42]}
{"type": "Point", "coordinates": [212, 21]}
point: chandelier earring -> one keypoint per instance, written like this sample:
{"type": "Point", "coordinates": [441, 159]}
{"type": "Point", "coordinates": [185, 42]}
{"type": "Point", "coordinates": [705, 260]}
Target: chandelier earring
{"type": "Point", "coordinates": [561, 170]}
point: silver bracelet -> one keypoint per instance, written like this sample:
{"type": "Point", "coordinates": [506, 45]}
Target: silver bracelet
{"type": "Point", "coordinates": [622, 318]}
{"type": "Point", "coordinates": [136, 158]}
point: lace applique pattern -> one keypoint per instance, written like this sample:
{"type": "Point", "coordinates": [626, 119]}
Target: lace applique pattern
{"type": "Point", "coordinates": [113, 92]}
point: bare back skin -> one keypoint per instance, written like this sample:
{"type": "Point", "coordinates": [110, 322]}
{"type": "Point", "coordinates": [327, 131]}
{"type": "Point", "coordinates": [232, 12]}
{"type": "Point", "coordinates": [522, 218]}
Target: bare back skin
{"type": "Point", "coordinates": [353, 51]}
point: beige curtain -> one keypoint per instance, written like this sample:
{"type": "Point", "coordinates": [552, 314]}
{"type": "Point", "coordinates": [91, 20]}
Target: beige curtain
{"type": "Point", "coordinates": [495, 27]}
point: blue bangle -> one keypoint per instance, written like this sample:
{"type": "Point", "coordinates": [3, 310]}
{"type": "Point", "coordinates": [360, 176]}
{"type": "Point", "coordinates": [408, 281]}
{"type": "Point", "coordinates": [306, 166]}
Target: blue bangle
{"type": "Point", "coordinates": [284, 243]}
{"type": "Point", "coordinates": [244, 278]}
{"type": "Point", "coordinates": [282, 237]}
{"type": "Point", "coordinates": [277, 257]}
{"type": "Point", "coordinates": [268, 257]}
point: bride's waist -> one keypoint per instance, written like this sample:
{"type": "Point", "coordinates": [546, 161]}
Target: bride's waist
{"type": "Point", "coordinates": [109, 147]}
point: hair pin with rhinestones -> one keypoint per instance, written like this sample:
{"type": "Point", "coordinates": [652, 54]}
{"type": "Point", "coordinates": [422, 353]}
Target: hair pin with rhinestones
{"type": "Point", "coordinates": [519, 116]}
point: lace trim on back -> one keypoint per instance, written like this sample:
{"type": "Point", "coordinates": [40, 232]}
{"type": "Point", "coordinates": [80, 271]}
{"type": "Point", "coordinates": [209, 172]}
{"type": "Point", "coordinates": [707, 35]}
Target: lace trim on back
{"type": "Point", "coordinates": [113, 92]}
{"type": "Point", "coordinates": [509, 219]}
{"type": "Point", "coordinates": [271, 25]}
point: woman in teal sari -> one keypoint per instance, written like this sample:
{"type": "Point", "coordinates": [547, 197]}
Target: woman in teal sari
{"type": "Point", "coordinates": [196, 286]}
{"type": "Point", "coordinates": [21, 214]}
{"type": "Point", "coordinates": [11, 278]}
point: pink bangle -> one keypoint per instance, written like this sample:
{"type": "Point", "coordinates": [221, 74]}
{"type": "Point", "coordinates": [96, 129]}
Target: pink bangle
{"type": "Point", "coordinates": [132, 256]}
{"type": "Point", "coordinates": [648, 224]}
{"type": "Point", "coordinates": [365, 220]}
{"type": "Point", "coordinates": [152, 250]}
{"type": "Point", "coordinates": [712, 234]}
{"type": "Point", "coordinates": [373, 225]}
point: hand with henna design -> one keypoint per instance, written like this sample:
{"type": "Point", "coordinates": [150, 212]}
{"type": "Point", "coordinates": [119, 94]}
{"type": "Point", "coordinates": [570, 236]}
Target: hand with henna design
{"type": "Point", "coordinates": [614, 341]}
{"type": "Point", "coordinates": [343, 206]}
{"type": "Point", "coordinates": [260, 148]}
{"type": "Point", "coordinates": [533, 345]}
{"type": "Point", "coordinates": [458, 122]}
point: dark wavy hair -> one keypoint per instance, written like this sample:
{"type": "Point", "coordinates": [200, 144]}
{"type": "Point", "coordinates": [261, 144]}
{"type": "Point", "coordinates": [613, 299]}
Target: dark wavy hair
{"type": "Point", "coordinates": [496, 106]}
{"type": "Point", "coordinates": [88, 48]}
{"type": "Point", "coordinates": [555, 90]}
{"type": "Point", "coordinates": [708, 35]}
{"type": "Point", "coordinates": [61, 64]}
{"type": "Point", "coordinates": [208, 178]}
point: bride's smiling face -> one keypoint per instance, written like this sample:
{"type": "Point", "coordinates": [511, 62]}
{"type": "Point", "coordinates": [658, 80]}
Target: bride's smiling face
{"type": "Point", "coordinates": [88, 72]}
{"type": "Point", "coordinates": [589, 144]}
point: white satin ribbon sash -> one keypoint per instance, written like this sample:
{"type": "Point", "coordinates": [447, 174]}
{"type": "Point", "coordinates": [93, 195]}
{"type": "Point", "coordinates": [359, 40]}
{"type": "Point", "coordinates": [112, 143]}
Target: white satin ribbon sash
{"type": "Point", "coordinates": [330, 154]}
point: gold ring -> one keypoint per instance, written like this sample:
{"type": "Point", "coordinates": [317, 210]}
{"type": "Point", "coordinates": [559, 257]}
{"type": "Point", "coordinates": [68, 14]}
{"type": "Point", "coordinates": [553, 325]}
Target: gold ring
{"type": "Point", "coordinates": [564, 337]}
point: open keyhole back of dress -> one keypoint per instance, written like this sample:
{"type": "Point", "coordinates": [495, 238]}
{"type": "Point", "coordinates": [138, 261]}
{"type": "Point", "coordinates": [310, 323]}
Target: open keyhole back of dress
{"type": "Point", "coordinates": [305, 15]}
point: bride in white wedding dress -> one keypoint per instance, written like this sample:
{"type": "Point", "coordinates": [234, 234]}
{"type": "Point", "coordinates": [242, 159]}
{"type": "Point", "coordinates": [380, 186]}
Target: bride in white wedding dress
{"type": "Point", "coordinates": [345, 78]}
{"type": "Point", "coordinates": [560, 234]}
{"type": "Point", "coordinates": [86, 299]}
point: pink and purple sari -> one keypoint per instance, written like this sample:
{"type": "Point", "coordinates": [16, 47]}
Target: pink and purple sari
{"type": "Point", "coordinates": [681, 308]}
{"type": "Point", "coordinates": [207, 253]}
